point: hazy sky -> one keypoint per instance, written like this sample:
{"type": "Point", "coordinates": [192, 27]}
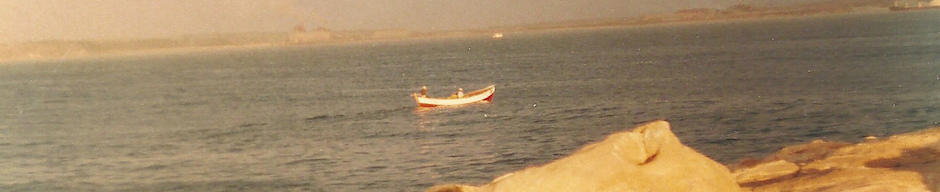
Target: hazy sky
{"type": "Point", "coordinates": [29, 20]}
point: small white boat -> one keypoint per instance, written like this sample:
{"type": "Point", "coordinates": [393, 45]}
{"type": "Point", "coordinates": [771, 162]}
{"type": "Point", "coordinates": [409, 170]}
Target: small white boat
{"type": "Point", "coordinates": [498, 35]}
{"type": "Point", "coordinates": [485, 94]}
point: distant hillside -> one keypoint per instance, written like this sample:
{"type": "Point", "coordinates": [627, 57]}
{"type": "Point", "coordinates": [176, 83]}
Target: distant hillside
{"type": "Point", "coordinates": [63, 48]}
{"type": "Point", "coordinates": [737, 11]}
{"type": "Point", "coordinates": [67, 49]}
{"type": "Point", "coordinates": [854, 3]}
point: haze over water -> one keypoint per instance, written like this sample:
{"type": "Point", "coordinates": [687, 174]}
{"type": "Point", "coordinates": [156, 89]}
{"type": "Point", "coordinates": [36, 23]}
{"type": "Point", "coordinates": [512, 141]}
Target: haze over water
{"type": "Point", "coordinates": [339, 117]}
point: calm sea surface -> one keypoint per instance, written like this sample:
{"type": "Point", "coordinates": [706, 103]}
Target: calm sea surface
{"type": "Point", "coordinates": [339, 117]}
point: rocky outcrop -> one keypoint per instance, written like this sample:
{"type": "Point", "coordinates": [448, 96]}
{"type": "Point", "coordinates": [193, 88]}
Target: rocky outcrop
{"type": "Point", "coordinates": [778, 169]}
{"type": "Point", "coordinates": [648, 158]}
{"type": "Point", "coordinates": [906, 162]}
{"type": "Point", "coordinates": [651, 158]}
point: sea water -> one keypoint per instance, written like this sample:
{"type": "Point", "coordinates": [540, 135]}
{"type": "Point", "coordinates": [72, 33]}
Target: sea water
{"type": "Point", "coordinates": [340, 117]}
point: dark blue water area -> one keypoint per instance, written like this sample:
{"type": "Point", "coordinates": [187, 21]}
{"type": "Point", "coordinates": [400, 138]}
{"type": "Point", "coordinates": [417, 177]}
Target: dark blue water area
{"type": "Point", "coordinates": [340, 117]}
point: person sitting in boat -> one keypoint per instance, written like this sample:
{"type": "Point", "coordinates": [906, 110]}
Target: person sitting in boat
{"type": "Point", "coordinates": [458, 94]}
{"type": "Point", "coordinates": [424, 91]}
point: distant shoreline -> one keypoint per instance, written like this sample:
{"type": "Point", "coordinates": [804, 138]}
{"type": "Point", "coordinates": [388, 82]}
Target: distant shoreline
{"type": "Point", "coordinates": [128, 53]}
{"type": "Point", "coordinates": [66, 50]}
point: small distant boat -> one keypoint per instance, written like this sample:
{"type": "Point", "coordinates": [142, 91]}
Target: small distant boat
{"type": "Point", "coordinates": [485, 94]}
{"type": "Point", "coordinates": [498, 35]}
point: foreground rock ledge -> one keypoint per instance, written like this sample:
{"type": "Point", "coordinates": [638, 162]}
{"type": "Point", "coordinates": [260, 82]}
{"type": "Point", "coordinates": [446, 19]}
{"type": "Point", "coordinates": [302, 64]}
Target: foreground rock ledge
{"type": "Point", "coordinates": [648, 158]}
{"type": "Point", "coordinates": [651, 158]}
{"type": "Point", "coordinates": [906, 162]}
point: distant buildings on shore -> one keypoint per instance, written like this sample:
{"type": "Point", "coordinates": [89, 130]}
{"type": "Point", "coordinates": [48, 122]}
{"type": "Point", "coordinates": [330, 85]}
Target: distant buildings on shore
{"type": "Point", "coordinates": [906, 6]}
{"type": "Point", "coordinates": [322, 35]}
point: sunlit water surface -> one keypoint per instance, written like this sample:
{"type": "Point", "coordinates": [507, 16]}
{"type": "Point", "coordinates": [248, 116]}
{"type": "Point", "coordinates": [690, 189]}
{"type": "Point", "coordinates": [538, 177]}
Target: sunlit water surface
{"type": "Point", "coordinates": [339, 117]}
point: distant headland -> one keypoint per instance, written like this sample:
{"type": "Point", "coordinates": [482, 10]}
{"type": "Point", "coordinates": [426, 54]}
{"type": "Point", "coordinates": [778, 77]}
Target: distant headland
{"type": "Point", "coordinates": [66, 49]}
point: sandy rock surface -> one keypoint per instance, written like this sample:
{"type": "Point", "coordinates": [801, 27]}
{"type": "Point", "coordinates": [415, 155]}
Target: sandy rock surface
{"type": "Point", "coordinates": [648, 158]}
{"type": "Point", "coordinates": [906, 162]}
{"type": "Point", "coordinates": [651, 158]}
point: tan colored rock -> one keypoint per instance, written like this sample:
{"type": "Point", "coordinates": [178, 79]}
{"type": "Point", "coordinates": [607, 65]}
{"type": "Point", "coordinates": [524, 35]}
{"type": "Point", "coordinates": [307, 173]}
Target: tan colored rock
{"type": "Point", "coordinates": [810, 152]}
{"type": "Point", "coordinates": [857, 179]}
{"type": "Point", "coordinates": [452, 188]}
{"type": "Point", "coordinates": [649, 158]}
{"type": "Point", "coordinates": [907, 162]}
{"type": "Point", "coordinates": [779, 169]}
{"type": "Point", "coordinates": [797, 154]}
